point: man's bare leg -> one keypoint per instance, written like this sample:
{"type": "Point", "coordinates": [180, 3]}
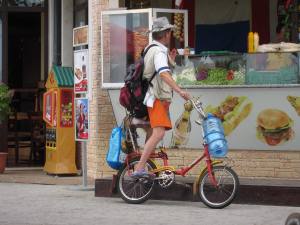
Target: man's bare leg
{"type": "Point", "coordinates": [157, 135]}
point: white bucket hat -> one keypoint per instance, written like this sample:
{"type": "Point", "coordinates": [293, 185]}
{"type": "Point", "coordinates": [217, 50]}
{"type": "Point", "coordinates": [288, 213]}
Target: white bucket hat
{"type": "Point", "coordinates": [161, 24]}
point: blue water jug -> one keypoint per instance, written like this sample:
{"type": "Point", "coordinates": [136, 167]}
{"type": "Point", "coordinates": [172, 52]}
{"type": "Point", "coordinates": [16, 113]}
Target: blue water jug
{"type": "Point", "coordinates": [214, 136]}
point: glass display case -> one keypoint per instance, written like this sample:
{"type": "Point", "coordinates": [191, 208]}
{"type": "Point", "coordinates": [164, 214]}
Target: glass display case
{"type": "Point", "coordinates": [214, 68]}
{"type": "Point", "coordinates": [238, 69]}
{"type": "Point", "coordinates": [280, 68]}
{"type": "Point", "coordinates": [125, 33]}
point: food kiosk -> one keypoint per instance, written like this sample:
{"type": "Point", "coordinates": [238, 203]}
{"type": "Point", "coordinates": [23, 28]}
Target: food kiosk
{"type": "Point", "coordinates": [58, 113]}
{"type": "Point", "coordinates": [241, 88]}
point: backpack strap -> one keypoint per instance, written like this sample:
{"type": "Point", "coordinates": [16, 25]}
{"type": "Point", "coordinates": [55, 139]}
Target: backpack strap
{"type": "Point", "coordinates": [144, 52]}
{"type": "Point", "coordinates": [153, 75]}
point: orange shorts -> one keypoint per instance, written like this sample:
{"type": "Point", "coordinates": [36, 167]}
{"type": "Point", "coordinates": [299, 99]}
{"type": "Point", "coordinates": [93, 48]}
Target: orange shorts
{"type": "Point", "coordinates": [159, 114]}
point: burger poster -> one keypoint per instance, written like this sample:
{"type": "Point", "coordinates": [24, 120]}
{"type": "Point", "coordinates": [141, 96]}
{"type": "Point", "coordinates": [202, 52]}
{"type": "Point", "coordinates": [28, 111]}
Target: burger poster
{"type": "Point", "coordinates": [253, 118]}
{"type": "Point", "coordinates": [274, 127]}
{"type": "Point", "coordinates": [81, 71]}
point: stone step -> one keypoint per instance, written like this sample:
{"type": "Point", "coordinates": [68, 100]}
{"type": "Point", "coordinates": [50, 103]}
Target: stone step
{"type": "Point", "coordinates": [261, 193]}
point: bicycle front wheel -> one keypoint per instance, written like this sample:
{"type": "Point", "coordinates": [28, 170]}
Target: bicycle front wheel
{"type": "Point", "coordinates": [134, 191]}
{"type": "Point", "coordinates": [220, 195]}
{"type": "Point", "coordinates": [293, 219]}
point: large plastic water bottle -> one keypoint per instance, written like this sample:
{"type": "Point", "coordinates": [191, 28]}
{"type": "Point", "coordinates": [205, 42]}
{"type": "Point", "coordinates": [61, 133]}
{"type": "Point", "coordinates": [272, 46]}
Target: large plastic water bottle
{"type": "Point", "coordinates": [214, 136]}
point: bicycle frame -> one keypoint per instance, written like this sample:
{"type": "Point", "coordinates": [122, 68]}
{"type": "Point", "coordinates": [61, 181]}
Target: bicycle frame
{"type": "Point", "coordinates": [183, 170]}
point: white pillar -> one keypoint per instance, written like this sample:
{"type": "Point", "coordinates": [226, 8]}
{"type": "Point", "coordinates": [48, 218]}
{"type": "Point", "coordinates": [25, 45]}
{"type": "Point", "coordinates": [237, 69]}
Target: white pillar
{"type": "Point", "coordinates": [67, 33]}
{"type": "Point", "coordinates": [50, 33]}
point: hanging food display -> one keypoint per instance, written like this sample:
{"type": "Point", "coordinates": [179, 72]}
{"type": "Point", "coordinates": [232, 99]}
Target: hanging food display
{"type": "Point", "coordinates": [179, 27]}
{"type": "Point", "coordinates": [140, 41]}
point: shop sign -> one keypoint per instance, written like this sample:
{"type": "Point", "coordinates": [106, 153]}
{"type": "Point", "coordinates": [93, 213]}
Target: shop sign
{"type": "Point", "coordinates": [82, 122]}
{"type": "Point", "coordinates": [80, 36]}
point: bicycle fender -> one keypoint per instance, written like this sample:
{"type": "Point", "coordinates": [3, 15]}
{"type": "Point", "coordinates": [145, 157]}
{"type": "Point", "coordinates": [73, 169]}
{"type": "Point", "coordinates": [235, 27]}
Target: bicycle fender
{"type": "Point", "coordinates": [154, 162]}
{"type": "Point", "coordinates": [197, 180]}
{"type": "Point", "coordinates": [163, 168]}
{"type": "Point", "coordinates": [160, 168]}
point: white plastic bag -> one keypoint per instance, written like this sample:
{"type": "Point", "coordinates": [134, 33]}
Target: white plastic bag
{"type": "Point", "coordinates": [186, 72]}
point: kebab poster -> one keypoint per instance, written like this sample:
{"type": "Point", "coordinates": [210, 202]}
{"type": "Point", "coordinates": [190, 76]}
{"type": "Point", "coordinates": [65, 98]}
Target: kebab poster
{"type": "Point", "coordinates": [232, 111]}
{"type": "Point", "coordinates": [81, 71]}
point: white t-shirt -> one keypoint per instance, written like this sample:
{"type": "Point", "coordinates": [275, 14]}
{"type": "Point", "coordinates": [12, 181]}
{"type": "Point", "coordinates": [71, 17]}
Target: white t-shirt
{"type": "Point", "coordinates": [156, 59]}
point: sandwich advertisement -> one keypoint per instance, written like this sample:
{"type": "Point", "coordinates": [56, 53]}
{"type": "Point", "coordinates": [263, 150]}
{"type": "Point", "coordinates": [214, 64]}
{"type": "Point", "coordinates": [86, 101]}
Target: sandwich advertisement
{"type": "Point", "coordinates": [253, 118]}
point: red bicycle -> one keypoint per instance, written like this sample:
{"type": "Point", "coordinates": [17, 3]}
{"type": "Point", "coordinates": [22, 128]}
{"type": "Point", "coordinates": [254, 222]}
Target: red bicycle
{"type": "Point", "coordinates": [217, 184]}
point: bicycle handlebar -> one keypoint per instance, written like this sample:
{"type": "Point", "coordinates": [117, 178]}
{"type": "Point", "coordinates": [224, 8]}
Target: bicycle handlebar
{"type": "Point", "coordinates": [198, 106]}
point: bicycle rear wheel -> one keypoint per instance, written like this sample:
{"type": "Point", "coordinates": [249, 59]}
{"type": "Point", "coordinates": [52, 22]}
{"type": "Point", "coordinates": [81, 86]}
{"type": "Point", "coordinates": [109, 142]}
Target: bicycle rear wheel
{"type": "Point", "coordinates": [134, 191]}
{"type": "Point", "coordinates": [223, 194]}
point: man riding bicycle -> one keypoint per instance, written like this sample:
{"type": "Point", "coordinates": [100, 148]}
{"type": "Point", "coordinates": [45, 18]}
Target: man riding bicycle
{"type": "Point", "coordinates": [158, 59]}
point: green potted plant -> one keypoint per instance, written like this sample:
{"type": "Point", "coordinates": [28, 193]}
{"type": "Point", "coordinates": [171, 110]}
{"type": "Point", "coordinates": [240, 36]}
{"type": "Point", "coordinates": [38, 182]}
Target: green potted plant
{"type": "Point", "coordinates": [5, 98]}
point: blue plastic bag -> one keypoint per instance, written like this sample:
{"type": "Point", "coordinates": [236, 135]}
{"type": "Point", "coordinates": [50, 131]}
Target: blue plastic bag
{"type": "Point", "coordinates": [114, 157]}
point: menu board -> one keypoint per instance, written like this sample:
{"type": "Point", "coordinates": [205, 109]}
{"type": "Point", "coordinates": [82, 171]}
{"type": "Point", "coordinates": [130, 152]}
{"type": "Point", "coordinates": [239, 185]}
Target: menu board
{"type": "Point", "coordinates": [80, 36]}
{"type": "Point", "coordinates": [81, 71]}
{"type": "Point", "coordinates": [66, 108]}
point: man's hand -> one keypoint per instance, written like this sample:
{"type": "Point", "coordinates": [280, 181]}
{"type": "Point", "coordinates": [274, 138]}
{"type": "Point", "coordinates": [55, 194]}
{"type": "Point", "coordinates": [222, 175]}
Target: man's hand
{"type": "Point", "coordinates": [173, 54]}
{"type": "Point", "coordinates": [186, 96]}
{"type": "Point", "coordinates": [166, 77]}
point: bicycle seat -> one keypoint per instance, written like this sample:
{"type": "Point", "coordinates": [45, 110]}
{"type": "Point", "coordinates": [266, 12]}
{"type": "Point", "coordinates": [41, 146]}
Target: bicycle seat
{"type": "Point", "coordinates": [139, 122]}
{"type": "Point", "coordinates": [133, 122]}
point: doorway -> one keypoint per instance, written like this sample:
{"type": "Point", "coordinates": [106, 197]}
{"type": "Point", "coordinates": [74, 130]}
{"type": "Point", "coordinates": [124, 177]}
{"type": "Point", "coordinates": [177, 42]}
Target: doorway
{"type": "Point", "coordinates": [25, 64]}
{"type": "Point", "coordinates": [24, 50]}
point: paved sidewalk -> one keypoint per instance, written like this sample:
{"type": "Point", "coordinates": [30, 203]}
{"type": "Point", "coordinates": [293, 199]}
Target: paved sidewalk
{"type": "Point", "coordinates": [36, 175]}
{"type": "Point", "coordinates": [34, 204]}
{"type": "Point", "coordinates": [252, 191]}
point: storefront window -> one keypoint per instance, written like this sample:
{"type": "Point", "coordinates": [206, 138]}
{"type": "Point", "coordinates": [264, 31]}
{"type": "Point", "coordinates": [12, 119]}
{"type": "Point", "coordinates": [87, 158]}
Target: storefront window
{"type": "Point", "coordinates": [26, 3]}
{"type": "Point", "coordinates": [80, 18]}
{"type": "Point", "coordinates": [125, 33]}
{"type": "Point", "coordinates": [124, 36]}
{"type": "Point", "coordinates": [80, 13]}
